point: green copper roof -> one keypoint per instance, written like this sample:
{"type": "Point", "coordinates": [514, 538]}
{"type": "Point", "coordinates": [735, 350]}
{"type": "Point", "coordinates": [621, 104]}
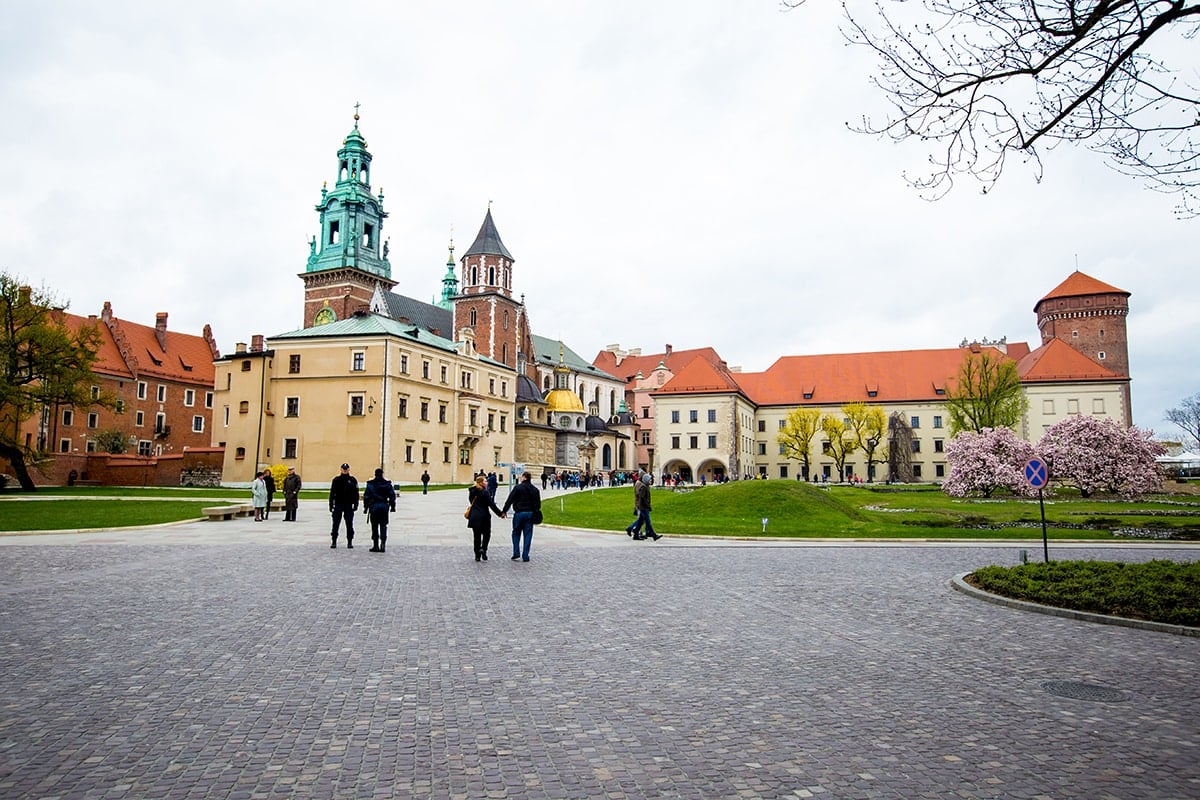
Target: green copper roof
{"type": "Point", "coordinates": [546, 352]}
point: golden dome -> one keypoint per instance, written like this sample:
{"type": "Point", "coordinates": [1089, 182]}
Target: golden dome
{"type": "Point", "coordinates": [564, 400]}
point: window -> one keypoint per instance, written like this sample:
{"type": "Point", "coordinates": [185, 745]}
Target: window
{"type": "Point", "coordinates": [160, 423]}
{"type": "Point", "coordinates": [782, 424]}
{"type": "Point", "coordinates": [491, 386]}
{"type": "Point", "coordinates": [246, 366]}
{"type": "Point", "coordinates": [68, 416]}
{"type": "Point", "coordinates": [783, 470]}
{"type": "Point", "coordinates": [120, 407]}
{"type": "Point", "coordinates": [358, 361]}
{"type": "Point", "coordinates": [424, 411]}
{"type": "Point", "coordinates": [762, 426]}
{"type": "Point", "coordinates": [808, 395]}
{"type": "Point", "coordinates": [356, 405]}
{"type": "Point", "coordinates": [139, 418]}
{"type": "Point", "coordinates": [645, 437]}
{"type": "Point", "coordinates": [90, 446]}
{"type": "Point", "coordinates": [141, 390]}
{"type": "Point", "coordinates": [916, 422]}
{"type": "Point", "coordinates": [937, 421]}
{"type": "Point", "coordinates": [403, 364]}
{"type": "Point", "coordinates": [693, 416]}
{"type": "Point", "coordinates": [95, 392]}
{"type": "Point", "coordinates": [916, 470]}
{"type": "Point", "coordinates": [474, 317]}
{"type": "Point", "coordinates": [445, 373]}
{"type": "Point", "coordinates": [491, 421]}
{"type": "Point", "coordinates": [441, 412]}
{"type": "Point", "coordinates": [473, 417]}
{"type": "Point", "coordinates": [93, 420]}
{"type": "Point", "coordinates": [208, 399]}
{"type": "Point", "coordinates": [146, 447]}
{"type": "Point", "coordinates": [762, 448]}
{"type": "Point", "coordinates": [916, 445]}
{"type": "Point", "coordinates": [402, 404]}
{"type": "Point", "coordinates": [782, 449]}
{"type": "Point", "coordinates": [197, 424]}
{"type": "Point", "coordinates": [291, 407]}
{"type": "Point", "coordinates": [503, 423]}
{"type": "Point", "coordinates": [712, 441]}
{"type": "Point", "coordinates": [226, 416]}
{"type": "Point", "coordinates": [289, 448]}
{"type": "Point", "coordinates": [334, 228]}
{"type": "Point", "coordinates": [240, 453]}
{"type": "Point", "coordinates": [693, 442]}
{"type": "Point", "coordinates": [939, 470]}
{"type": "Point", "coordinates": [408, 453]}
{"type": "Point", "coordinates": [712, 415]}
{"type": "Point", "coordinates": [674, 416]}
{"type": "Point", "coordinates": [244, 407]}
{"type": "Point", "coordinates": [189, 397]}
{"type": "Point", "coordinates": [1100, 355]}
{"type": "Point", "coordinates": [674, 442]}
{"type": "Point", "coordinates": [645, 412]}
{"type": "Point", "coordinates": [425, 370]}
{"type": "Point", "coordinates": [445, 455]}
{"type": "Point", "coordinates": [939, 446]}
{"type": "Point", "coordinates": [64, 445]}
{"type": "Point", "coordinates": [294, 364]}
{"type": "Point", "coordinates": [504, 388]}
{"type": "Point", "coordinates": [466, 378]}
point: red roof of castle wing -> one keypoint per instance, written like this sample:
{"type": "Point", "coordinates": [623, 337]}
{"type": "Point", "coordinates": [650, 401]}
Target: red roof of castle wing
{"type": "Point", "coordinates": [1058, 361]}
{"type": "Point", "coordinates": [698, 376]}
{"type": "Point", "coordinates": [895, 376]}
{"type": "Point", "coordinates": [1078, 284]}
{"type": "Point", "coordinates": [186, 358]}
{"type": "Point", "coordinates": [630, 366]}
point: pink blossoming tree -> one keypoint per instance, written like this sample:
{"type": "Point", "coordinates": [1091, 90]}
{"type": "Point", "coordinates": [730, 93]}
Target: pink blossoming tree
{"type": "Point", "coordinates": [981, 463]}
{"type": "Point", "coordinates": [1098, 455]}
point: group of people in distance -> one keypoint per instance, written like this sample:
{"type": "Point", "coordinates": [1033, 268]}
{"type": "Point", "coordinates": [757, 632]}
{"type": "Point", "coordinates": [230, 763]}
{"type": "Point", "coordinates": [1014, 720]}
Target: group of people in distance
{"type": "Point", "coordinates": [378, 498]}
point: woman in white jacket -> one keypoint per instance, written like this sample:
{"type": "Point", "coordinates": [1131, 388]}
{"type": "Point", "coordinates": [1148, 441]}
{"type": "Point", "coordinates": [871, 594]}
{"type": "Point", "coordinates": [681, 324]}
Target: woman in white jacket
{"type": "Point", "coordinates": [258, 493]}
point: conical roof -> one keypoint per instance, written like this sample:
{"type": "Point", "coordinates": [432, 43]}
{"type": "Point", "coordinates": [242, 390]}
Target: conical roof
{"type": "Point", "coordinates": [487, 241]}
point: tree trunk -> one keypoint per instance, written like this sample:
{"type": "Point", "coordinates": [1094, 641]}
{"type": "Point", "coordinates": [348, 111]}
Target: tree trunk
{"type": "Point", "coordinates": [16, 457]}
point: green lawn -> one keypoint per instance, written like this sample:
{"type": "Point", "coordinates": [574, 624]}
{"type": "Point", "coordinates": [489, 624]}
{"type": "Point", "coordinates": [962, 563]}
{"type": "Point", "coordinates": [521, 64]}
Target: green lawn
{"type": "Point", "coordinates": [59, 515]}
{"type": "Point", "coordinates": [797, 509]}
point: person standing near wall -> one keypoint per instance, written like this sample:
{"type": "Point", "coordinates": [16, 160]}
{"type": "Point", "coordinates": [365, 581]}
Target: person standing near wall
{"type": "Point", "coordinates": [343, 502]}
{"type": "Point", "coordinates": [291, 495]}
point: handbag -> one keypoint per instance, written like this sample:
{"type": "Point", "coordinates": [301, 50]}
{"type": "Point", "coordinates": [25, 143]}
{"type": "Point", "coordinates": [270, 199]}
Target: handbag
{"type": "Point", "coordinates": [467, 513]}
{"type": "Point", "coordinates": [537, 516]}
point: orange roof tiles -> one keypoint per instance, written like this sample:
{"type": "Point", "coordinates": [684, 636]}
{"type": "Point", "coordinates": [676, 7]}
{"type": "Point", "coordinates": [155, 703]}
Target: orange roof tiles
{"type": "Point", "coordinates": [1077, 284]}
{"type": "Point", "coordinates": [1058, 361]}
{"type": "Point", "coordinates": [630, 366]}
{"type": "Point", "coordinates": [699, 376]}
{"type": "Point", "coordinates": [186, 358]}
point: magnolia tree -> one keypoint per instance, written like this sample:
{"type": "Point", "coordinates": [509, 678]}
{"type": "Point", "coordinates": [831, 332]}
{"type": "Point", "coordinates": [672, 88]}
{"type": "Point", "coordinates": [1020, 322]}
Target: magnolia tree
{"type": "Point", "coordinates": [1098, 455]}
{"type": "Point", "coordinates": [981, 463]}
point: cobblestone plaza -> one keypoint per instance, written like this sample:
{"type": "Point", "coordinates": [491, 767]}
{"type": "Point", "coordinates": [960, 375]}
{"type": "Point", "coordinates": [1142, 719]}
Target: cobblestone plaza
{"type": "Point", "coordinates": [242, 660]}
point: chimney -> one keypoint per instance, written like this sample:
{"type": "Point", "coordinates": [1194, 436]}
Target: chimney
{"type": "Point", "coordinates": [668, 351]}
{"type": "Point", "coordinates": [160, 329]}
{"type": "Point", "coordinates": [240, 347]}
{"type": "Point", "coordinates": [256, 343]}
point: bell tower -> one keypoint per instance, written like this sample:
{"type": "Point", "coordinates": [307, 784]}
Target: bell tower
{"type": "Point", "coordinates": [485, 302]}
{"type": "Point", "coordinates": [349, 256]}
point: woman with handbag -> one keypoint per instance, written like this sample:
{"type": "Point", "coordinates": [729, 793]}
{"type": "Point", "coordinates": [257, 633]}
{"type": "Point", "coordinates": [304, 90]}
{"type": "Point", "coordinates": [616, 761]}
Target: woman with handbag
{"type": "Point", "coordinates": [526, 501]}
{"type": "Point", "coordinates": [479, 516]}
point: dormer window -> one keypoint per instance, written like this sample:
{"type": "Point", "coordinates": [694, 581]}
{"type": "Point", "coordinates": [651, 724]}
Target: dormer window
{"type": "Point", "coordinates": [334, 231]}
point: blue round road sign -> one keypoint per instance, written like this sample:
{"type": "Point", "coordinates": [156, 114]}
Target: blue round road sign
{"type": "Point", "coordinates": [1036, 474]}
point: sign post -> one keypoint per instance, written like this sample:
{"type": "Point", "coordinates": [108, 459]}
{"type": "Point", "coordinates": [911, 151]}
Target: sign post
{"type": "Point", "coordinates": [1037, 476]}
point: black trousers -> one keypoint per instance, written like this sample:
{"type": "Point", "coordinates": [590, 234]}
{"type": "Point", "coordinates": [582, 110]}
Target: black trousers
{"type": "Point", "coordinates": [481, 540]}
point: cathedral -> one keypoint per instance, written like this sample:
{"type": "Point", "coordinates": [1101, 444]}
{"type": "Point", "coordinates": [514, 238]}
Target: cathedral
{"type": "Point", "coordinates": [376, 378]}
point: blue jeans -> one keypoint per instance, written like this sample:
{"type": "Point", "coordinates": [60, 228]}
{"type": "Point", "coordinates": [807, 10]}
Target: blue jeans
{"type": "Point", "coordinates": [522, 527]}
{"type": "Point", "coordinates": [643, 519]}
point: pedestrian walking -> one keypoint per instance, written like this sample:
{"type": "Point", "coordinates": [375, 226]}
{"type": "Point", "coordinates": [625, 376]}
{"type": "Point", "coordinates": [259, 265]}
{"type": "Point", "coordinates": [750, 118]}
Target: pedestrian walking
{"type": "Point", "coordinates": [343, 502]}
{"type": "Point", "coordinates": [479, 516]}
{"type": "Point", "coordinates": [379, 497]}
{"type": "Point", "coordinates": [492, 483]}
{"type": "Point", "coordinates": [291, 495]}
{"type": "Point", "coordinates": [258, 495]}
{"type": "Point", "coordinates": [641, 504]}
{"type": "Point", "coordinates": [425, 482]}
{"type": "Point", "coordinates": [269, 480]}
{"type": "Point", "coordinates": [526, 502]}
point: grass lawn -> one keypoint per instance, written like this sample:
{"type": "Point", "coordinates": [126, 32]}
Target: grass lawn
{"type": "Point", "coordinates": [796, 509]}
{"type": "Point", "coordinates": [59, 515]}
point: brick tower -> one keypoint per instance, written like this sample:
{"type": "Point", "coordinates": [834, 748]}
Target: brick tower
{"type": "Point", "coordinates": [1089, 315]}
{"type": "Point", "coordinates": [485, 302]}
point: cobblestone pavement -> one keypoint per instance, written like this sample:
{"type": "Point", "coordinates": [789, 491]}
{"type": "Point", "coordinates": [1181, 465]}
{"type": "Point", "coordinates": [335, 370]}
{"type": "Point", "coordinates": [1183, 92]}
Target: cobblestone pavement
{"type": "Point", "coordinates": [197, 662]}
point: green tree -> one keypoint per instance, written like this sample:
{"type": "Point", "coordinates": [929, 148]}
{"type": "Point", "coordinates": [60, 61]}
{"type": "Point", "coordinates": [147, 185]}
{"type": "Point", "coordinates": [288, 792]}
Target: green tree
{"type": "Point", "coordinates": [841, 442]}
{"type": "Point", "coordinates": [987, 393]}
{"type": "Point", "coordinates": [43, 363]}
{"type": "Point", "coordinates": [111, 441]}
{"type": "Point", "coordinates": [797, 434]}
{"type": "Point", "coordinates": [868, 424]}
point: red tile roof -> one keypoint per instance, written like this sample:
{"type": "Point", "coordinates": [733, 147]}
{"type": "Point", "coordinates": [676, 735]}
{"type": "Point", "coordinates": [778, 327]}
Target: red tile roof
{"type": "Point", "coordinates": [1058, 361]}
{"type": "Point", "coordinates": [698, 376]}
{"type": "Point", "coordinates": [129, 350]}
{"type": "Point", "coordinates": [1078, 284]}
{"type": "Point", "coordinates": [630, 366]}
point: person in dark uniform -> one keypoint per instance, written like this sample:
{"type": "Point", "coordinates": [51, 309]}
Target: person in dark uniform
{"type": "Point", "coordinates": [269, 480]}
{"type": "Point", "coordinates": [343, 502]}
{"type": "Point", "coordinates": [291, 495]}
{"type": "Point", "coordinates": [479, 518]}
{"type": "Point", "coordinates": [425, 482]}
{"type": "Point", "coordinates": [526, 501]}
{"type": "Point", "coordinates": [378, 499]}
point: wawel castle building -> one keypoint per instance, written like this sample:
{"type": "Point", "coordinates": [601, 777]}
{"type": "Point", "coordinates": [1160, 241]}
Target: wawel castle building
{"type": "Point", "coordinates": [378, 379]}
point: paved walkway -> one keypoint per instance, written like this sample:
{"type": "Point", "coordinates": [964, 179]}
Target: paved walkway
{"type": "Point", "coordinates": [248, 660]}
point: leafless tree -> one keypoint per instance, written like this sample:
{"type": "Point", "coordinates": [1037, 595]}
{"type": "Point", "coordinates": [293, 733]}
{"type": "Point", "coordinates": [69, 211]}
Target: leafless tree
{"type": "Point", "coordinates": [980, 80]}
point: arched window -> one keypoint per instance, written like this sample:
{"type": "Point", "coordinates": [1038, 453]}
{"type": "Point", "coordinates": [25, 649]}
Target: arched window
{"type": "Point", "coordinates": [473, 316]}
{"type": "Point", "coordinates": [474, 275]}
{"type": "Point", "coordinates": [621, 456]}
{"type": "Point", "coordinates": [506, 319]}
{"type": "Point", "coordinates": [491, 276]}
{"type": "Point", "coordinates": [606, 456]}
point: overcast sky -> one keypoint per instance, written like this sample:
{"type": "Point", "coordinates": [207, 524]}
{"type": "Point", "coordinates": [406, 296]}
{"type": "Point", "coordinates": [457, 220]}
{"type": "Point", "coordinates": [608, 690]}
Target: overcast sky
{"type": "Point", "coordinates": [667, 172]}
